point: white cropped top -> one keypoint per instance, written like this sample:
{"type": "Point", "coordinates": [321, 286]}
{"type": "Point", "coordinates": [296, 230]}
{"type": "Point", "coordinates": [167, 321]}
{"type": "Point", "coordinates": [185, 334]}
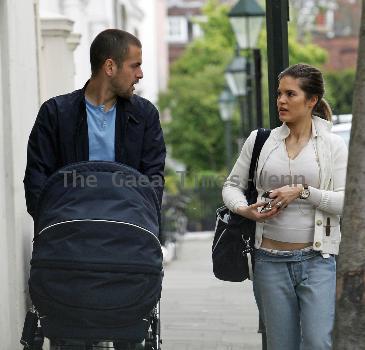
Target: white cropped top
{"type": "Point", "coordinates": [295, 224]}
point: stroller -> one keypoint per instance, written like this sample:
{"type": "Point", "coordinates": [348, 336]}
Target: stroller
{"type": "Point", "coordinates": [96, 269]}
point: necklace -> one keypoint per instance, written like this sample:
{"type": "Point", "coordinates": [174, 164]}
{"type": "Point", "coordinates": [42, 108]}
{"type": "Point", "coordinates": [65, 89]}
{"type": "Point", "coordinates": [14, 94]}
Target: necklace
{"type": "Point", "coordinates": [291, 173]}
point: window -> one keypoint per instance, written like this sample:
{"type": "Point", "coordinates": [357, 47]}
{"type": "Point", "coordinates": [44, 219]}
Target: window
{"type": "Point", "coordinates": [120, 16]}
{"type": "Point", "coordinates": [177, 29]}
{"type": "Point", "coordinates": [123, 17]}
{"type": "Point", "coordinates": [197, 31]}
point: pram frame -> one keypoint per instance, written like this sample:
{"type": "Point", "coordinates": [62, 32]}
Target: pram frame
{"type": "Point", "coordinates": [152, 339]}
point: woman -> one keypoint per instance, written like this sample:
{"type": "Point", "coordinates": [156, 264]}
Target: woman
{"type": "Point", "coordinates": [304, 166]}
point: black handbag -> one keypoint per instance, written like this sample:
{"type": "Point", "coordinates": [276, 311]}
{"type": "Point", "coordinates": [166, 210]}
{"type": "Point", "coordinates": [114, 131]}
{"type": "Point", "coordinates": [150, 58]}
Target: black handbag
{"type": "Point", "coordinates": [234, 234]}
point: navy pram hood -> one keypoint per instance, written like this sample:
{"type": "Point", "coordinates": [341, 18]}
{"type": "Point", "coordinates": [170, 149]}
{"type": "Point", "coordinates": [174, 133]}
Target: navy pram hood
{"type": "Point", "coordinates": [97, 259]}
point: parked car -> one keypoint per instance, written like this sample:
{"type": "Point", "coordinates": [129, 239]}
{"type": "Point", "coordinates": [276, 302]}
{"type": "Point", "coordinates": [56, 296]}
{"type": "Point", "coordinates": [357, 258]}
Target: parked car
{"type": "Point", "coordinates": [342, 126]}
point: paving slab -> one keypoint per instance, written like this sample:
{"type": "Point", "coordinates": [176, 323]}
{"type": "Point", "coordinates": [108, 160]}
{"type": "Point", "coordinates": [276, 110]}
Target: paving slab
{"type": "Point", "coordinates": [199, 312]}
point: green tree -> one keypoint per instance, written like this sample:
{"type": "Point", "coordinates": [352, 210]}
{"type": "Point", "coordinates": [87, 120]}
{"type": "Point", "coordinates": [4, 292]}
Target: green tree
{"type": "Point", "coordinates": [196, 132]}
{"type": "Point", "coordinates": [349, 331]}
{"type": "Point", "coordinates": [339, 90]}
{"type": "Point", "coordinates": [299, 52]}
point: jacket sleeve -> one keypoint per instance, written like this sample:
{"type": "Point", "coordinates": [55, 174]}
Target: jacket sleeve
{"type": "Point", "coordinates": [332, 201]}
{"type": "Point", "coordinates": [154, 153]}
{"type": "Point", "coordinates": [237, 181]}
{"type": "Point", "coordinates": [42, 155]}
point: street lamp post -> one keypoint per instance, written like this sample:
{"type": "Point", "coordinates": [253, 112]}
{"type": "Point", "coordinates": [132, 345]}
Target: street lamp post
{"type": "Point", "coordinates": [236, 78]}
{"type": "Point", "coordinates": [277, 49]}
{"type": "Point", "coordinates": [258, 87]}
{"type": "Point", "coordinates": [226, 108]}
{"type": "Point", "coordinates": [246, 19]}
{"type": "Point", "coordinates": [249, 95]}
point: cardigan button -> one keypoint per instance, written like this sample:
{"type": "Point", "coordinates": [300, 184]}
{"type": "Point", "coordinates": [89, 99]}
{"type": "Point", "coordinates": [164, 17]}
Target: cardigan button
{"type": "Point", "coordinates": [317, 244]}
{"type": "Point", "coordinates": [319, 222]}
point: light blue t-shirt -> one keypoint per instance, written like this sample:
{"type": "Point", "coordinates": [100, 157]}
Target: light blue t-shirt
{"type": "Point", "coordinates": [101, 131]}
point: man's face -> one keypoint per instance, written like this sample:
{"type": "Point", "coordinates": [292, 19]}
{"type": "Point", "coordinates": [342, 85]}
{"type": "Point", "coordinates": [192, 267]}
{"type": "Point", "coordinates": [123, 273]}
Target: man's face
{"type": "Point", "coordinates": [128, 74]}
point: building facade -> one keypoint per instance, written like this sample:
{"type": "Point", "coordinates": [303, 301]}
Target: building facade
{"type": "Point", "coordinates": [183, 24]}
{"type": "Point", "coordinates": [336, 29]}
{"type": "Point", "coordinates": [144, 18]}
{"type": "Point", "coordinates": [19, 102]}
{"type": "Point", "coordinates": [44, 47]}
{"type": "Point", "coordinates": [334, 25]}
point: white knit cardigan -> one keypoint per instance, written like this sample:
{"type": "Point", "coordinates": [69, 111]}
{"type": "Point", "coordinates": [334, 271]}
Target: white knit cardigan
{"type": "Point", "coordinates": [332, 154]}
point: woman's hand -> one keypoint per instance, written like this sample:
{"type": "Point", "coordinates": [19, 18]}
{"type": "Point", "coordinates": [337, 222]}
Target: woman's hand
{"type": "Point", "coordinates": [283, 196]}
{"type": "Point", "coordinates": [251, 212]}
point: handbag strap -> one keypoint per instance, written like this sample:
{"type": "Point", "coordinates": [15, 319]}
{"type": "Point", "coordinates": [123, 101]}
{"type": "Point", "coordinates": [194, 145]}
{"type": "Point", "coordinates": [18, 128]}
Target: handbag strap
{"type": "Point", "coordinates": [261, 137]}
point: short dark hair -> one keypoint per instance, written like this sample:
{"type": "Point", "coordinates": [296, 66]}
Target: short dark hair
{"type": "Point", "coordinates": [111, 43]}
{"type": "Point", "coordinates": [311, 82]}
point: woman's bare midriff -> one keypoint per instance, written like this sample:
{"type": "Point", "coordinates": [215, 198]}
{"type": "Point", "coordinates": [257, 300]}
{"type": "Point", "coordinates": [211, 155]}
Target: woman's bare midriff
{"type": "Point", "coordinates": [277, 245]}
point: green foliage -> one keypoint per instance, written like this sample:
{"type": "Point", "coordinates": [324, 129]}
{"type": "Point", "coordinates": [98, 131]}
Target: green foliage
{"type": "Point", "coordinates": [203, 190]}
{"type": "Point", "coordinates": [305, 52]}
{"type": "Point", "coordinates": [171, 182]}
{"type": "Point", "coordinates": [299, 52]}
{"type": "Point", "coordinates": [339, 90]}
{"type": "Point", "coordinates": [196, 132]}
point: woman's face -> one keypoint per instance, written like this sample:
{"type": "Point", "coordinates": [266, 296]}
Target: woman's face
{"type": "Point", "coordinates": [292, 103]}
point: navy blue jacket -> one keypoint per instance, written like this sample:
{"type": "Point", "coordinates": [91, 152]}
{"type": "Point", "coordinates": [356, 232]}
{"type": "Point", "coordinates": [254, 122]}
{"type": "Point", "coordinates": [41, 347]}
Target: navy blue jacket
{"type": "Point", "coordinates": [60, 137]}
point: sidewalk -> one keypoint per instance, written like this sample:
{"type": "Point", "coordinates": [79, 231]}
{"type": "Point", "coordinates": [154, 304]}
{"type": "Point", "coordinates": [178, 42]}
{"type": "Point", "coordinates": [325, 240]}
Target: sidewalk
{"type": "Point", "coordinates": [199, 312]}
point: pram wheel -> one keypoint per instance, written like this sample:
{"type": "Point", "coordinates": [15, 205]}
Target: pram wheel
{"type": "Point", "coordinates": [38, 344]}
{"type": "Point", "coordinates": [148, 346]}
{"type": "Point", "coordinates": [153, 339]}
{"type": "Point", "coordinates": [128, 346]}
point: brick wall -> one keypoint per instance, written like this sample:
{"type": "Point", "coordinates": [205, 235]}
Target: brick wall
{"type": "Point", "coordinates": [175, 51]}
{"type": "Point", "coordinates": [186, 8]}
{"type": "Point", "coordinates": [342, 52]}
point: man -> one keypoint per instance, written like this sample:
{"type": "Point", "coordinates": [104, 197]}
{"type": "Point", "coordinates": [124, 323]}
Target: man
{"type": "Point", "coordinates": [102, 121]}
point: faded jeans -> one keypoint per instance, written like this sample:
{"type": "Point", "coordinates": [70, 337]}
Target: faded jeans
{"type": "Point", "coordinates": [295, 293]}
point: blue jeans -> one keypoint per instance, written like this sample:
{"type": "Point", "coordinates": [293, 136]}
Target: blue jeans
{"type": "Point", "coordinates": [295, 293]}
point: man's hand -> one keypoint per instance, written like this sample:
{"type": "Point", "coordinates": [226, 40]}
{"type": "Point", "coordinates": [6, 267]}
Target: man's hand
{"type": "Point", "coordinates": [251, 212]}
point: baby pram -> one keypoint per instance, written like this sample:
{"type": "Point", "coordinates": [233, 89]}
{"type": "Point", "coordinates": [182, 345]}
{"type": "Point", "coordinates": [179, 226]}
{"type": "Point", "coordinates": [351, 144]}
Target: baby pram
{"type": "Point", "coordinates": [96, 269]}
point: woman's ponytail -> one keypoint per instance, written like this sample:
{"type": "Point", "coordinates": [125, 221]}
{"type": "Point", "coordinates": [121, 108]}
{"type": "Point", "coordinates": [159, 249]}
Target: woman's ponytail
{"type": "Point", "coordinates": [323, 110]}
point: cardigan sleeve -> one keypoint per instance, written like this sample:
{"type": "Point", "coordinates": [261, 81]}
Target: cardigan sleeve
{"type": "Point", "coordinates": [232, 193]}
{"type": "Point", "coordinates": [332, 201]}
